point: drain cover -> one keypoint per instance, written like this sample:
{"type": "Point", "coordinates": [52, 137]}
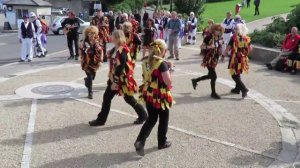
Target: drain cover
{"type": "Point", "coordinates": [51, 90]}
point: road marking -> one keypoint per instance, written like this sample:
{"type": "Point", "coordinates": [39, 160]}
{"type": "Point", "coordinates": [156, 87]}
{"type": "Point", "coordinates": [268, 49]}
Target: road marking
{"type": "Point", "coordinates": [2, 44]}
{"type": "Point", "coordinates": [29, 136]}
{"type": "Point", "coordinates": [8, 34]}
{"type": "Point", "coordinates": [229, 144]}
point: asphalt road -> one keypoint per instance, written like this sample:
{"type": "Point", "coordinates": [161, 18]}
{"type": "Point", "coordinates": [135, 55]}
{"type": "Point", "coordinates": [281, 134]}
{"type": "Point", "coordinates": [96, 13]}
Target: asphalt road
{"type": "Point", "coordinates": [10, 48]}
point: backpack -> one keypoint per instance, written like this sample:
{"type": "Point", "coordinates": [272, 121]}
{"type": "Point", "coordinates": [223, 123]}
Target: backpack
{"type": "Point", "coordinates": [45, 27]}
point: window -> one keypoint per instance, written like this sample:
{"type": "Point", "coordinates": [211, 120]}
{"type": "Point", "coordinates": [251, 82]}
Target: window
{"type": "Point", "coordinates": [21, 13]}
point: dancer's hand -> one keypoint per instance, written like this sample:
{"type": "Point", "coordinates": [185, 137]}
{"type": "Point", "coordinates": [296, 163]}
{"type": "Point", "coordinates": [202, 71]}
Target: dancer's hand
{"type": "Point", "coordinates": [114, 86]}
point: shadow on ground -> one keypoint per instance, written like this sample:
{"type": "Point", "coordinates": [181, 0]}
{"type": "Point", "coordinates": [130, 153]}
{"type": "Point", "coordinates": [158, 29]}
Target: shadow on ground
{"type": "Point", "coordinates": [98, 160]}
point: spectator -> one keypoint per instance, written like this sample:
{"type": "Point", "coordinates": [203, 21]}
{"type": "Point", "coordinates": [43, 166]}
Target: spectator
{"type": "Point", "coordinates": [256, 3]}
{"type": "Point", "coordinates": [118, 20]}
{"type": "Point", "coordinates": [137, 17]}
{"type": "Point", "coordinates": [289, 44]}
{"type": "Point", "coordinates": [149, 34]}
{"type": "Point", "coordinates": [248, 3]}
{"type": "Point", "coordinates": [294, 60]}
{"type": "Point", "coordinates": [145, 18]}
{"type": "Point", "coordinates": [174, 26]}
{"type": "Point", "coordinates": [111, 21]}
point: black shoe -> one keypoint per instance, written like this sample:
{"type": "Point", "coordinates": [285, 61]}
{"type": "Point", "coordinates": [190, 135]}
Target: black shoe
{"type": "Point", "coordinates": [187, 43]}
{"type": "Point", "coordinates": [29, 60]}
{"type": "Point", "coordinates": [139, 121]}
{"type": "Point", "coordinates": [45, 53]}
{"type": "Point", "coordinates": [215, 96]}
{"type": "Point", "coordinates": [71, 57]}
{"type": "Point", "coordinates": [235, 91]}
{"type": "Point", "coordinates": [76, 57]}
{"type": "Point", "coordinates": [96, 123]}
{"type": "Point", "coordinates": [139, 148]}
{"type": "Point", "coordinates": [21, 60]}
{"type": "Point", "coordinates": [166, 145]}
{"type": "Point", "coordinates": [177, 59]}
{"type": "Point", "coordinates": [269, 66]}
{"type": "Point", "coordinates": [194, 83]}
{"type": "Point", "coordinates": [90, 96]}
{"type": "Point", "coordinates": [245, 93]}
{"type": "Point", "coordinates": [170, 57]}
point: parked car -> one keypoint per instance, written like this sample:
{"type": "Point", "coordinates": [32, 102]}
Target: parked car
{"type": "Point", "coordinates": [57, 29]}
{"type": "Point", "coordinates": [57, 11]}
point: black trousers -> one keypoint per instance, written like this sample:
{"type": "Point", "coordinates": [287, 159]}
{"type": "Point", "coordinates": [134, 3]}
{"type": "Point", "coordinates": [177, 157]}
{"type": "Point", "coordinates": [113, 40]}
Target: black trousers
{"type": "Point", "coordinates": [212, 75]}
{"type": "Point", "coordinates": [109, 94]}
{"type": "Point", "coordinates": [239, 85]}
{"type": "Point", "coordinates": [256, 10]}
{"type": "Point", "coordinates": [150, 123]}
{"type": "Point", "coordinates": [90, 76]}
{"type": "Point", "coordinates": [104, 52]}
{"type": "Point", "coordinates": [73, 37]}
{"type": "Point", "coordinates": [248, 3]}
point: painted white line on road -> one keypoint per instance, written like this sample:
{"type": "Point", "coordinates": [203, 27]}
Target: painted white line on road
{"type": "Point", "coordinates": [229, 144]}
{"type": "Point", "coordinates": [29, 136]}
{"type": "Point", "coordinates": [2, 44]}
{"type": "Point", "coordinates": [10, 97]}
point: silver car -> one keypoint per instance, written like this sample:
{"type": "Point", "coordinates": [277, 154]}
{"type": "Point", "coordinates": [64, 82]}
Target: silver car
{"type": "Point", "coordinates": [57, 29]}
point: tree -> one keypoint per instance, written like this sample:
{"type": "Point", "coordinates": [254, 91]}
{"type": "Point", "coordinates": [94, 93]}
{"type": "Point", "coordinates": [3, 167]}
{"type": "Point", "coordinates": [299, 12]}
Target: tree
{"type": "Point", "coordinates": [187, 6]}
{"type": "Point", "coordinates": [125, 5]}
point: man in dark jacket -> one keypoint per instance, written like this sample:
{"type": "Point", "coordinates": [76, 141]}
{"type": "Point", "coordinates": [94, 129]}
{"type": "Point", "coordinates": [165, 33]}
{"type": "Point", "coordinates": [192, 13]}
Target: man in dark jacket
{"type": "Point", "coordinates": [137, 17]}
{"type": "Point", "coordinates": [145, 18]}
{"type": "Point", "coordinates": [111, 18]}
{"type": "Point", "coordinates": [71, 26]}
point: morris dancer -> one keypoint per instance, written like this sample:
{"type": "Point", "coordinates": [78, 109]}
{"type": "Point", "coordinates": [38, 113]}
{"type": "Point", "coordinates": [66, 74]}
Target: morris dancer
{"type": "Point", "coordinates": [91, 52]}
{"type": "Point", "coordinates": [228, 25]}
{"type": "Point", "coordinates": [120, 81]}
{"type": "Point", "coordinates": [240, 47]}
{"type": "Point", "coordinates": [192, 29]}
{"type": "Point", "coordinates": [212, 49]}
{"type": "Point", "coordinates": [133, 41]}
{"type": "Point", "coordinates": [156, 92]}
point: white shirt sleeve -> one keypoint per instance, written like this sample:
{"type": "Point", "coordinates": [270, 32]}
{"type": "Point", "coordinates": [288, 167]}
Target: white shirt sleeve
{"type": "Point", "coordinates": [39, 26]}
{"type": "Point", "coordinates": [20, 31]}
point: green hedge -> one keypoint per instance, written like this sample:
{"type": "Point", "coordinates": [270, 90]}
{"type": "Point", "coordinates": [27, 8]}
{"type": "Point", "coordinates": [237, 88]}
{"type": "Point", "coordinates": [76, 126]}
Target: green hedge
{"type": "Point", "coordinates": [208, 1]}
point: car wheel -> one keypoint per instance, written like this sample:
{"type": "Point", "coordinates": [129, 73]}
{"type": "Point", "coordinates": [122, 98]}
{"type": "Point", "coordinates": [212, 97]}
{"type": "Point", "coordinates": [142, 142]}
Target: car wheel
{"type": "Point", "coordinates": [60, 31]}
{"type": "Point", "coordinates": [55, 33]}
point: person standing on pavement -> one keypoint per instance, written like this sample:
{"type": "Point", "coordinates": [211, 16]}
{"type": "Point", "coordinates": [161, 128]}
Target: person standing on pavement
{"type": "Point", "coordinates": [174, 26]}
{"type": "Point", "coordinates": [156, 93]}
{"type": "Point", "coordinates": [91, 52]}
{"type": "Point", "coordinates": [192, 29]}
{"type": "Point", "coordinates": [240, 47]}
{"type": "Point", "coordinates": [71, 26]}
{"type": "Point", "coordinates": [165, 21]}
{"type": "Point", "coordinates": [256, 3]}
{"type": "Point", "coordinates": [228, 25]}
{"type": "Point", "coordinates": [118, 20]}
{"type": "Point", "coordinates": [148, 36]}
{"type": "Point", "coordinates": [26, 35]}
{"type": "Point", "coordinates": [111, 22]}
{"type": "Point", "coordinates": [121, 81]}
{"type": "Point", "coordinates": [137, 17]}
{"type": "Point", "coordinates": [41, 51]}
{"type": "Point", "coordinates": [145, 18]}
{"type": "Point", "coordinates": [212, 49]}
